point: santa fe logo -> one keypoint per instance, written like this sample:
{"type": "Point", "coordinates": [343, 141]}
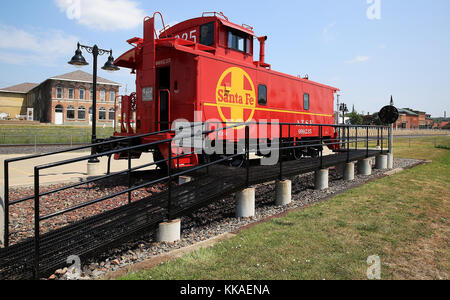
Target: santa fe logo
{"type": "Point", "coordinates": [235, 96]}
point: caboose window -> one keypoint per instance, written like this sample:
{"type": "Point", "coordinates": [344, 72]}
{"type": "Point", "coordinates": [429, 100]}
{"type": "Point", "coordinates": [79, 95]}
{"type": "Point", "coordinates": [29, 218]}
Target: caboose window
{"type": "Point", "coordinates": [306, 101]}
{"type": "Point", "coordinates": [207, 34]}
{"type": "Point", "coordinates": [262, 94]}
{"type": "Point", "coordinates": [237, 41]}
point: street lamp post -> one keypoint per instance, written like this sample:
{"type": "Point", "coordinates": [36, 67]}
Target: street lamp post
{"type": "Point", "coordinates": [79, 61]}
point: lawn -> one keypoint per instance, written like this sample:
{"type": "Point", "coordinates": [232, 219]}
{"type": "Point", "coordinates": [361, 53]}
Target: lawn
{"type": "Point", "coordinates": [404, 219]}
{"type": "Point", "coordinates": [49, 134]}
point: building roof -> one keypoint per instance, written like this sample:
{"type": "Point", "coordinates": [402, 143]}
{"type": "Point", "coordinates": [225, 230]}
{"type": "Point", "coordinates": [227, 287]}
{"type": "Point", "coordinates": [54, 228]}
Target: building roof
{"type": "Point", "coordinates": [80, 76]}
{"type": "Point", "coordinates": [22, 88]}
{"type": "Point", "coordinates": [407, 111]}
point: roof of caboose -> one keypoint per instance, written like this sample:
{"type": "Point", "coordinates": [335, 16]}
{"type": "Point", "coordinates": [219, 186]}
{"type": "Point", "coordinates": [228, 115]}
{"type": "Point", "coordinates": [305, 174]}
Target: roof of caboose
{"type": "Point", "coordinates": [129, 59]}
{"type": "Point", "coordinates": [203, 20]}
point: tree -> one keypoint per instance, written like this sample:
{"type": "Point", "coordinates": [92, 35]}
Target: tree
{"type": "Point", "coordinates": [355, 118]}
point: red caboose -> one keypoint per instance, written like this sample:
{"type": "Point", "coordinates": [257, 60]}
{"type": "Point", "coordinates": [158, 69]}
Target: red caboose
{"type": "Point", "coordinates": [206, 65]}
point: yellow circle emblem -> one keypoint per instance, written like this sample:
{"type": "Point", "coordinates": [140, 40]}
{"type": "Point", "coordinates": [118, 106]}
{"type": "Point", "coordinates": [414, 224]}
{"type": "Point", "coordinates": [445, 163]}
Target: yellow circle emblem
{"type": "Point", "coordinates": [235, 96]}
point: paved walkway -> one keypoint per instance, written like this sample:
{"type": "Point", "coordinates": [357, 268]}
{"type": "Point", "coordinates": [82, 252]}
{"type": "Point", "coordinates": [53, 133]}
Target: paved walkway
{"type": "Point", "coordinates": [22, 173]}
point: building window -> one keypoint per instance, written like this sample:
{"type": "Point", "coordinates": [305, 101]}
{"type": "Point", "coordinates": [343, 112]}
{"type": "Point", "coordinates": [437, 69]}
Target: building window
{"type": "Point", "coordinates": [112, 96]}
{"type": "Point", "coordinates": [70, 113]}
{"type": "Point", "coordinates": [262, 94]}
{"type": "Point", "coordinates": [82, 91]}
{"type": "Point", "coordinates": [102, 96]}
{"type": "Point", "coordinates": [112, 114]}
{"type": "Point", "coordinates": [102, 113]}
{"type": "Point", "coordinates": [59, 92]}
{"type": "Point", "coordinates": [71, 93]}
{"type": "Point", "coordinates": [81, 113]}
{"type": "Point", "coordinates": [207, 34]}
{"type": "Point", "coordinates": [306, 103]}
{"type": "Point", "coordinates": [91, 95]}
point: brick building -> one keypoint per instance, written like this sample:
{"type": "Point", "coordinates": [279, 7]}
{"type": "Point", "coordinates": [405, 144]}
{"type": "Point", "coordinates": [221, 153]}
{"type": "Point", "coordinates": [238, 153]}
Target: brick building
{"type": "Point", "coordinates": [67, 100]}
{"type": "Point", "coordinates": [413, 119]}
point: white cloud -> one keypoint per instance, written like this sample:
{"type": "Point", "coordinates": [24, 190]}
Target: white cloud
{"type": "Point", "coordinates": [107, 15]}
{"type": "Point", "coordinates": [358, 59]}
{"type": "Point", "coordinates": [18, 46]}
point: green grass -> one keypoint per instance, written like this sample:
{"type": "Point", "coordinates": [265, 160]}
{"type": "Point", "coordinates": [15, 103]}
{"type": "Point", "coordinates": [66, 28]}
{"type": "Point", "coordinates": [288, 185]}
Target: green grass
{"type": "Point", "coordinates": [404, 219]}
{"type": "Point", "coordinates": [48, 134]}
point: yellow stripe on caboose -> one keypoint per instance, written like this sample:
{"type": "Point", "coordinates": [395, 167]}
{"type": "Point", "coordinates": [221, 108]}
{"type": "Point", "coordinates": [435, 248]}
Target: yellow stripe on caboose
{"type": "Point", "coordinates": [269, 110]}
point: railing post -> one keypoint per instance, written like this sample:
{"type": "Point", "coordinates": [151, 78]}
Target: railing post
{"type": "Point", "coordinates": [356, 137]}
{"type": "Point", "coordinates": [129, 175]}
{"type": "Point", "coordinates": [205, 140]}
{"type": "Point", "coordinates": [169, 174]}
{"type": "Point", "coordinates": [247, 155]}
{"type": "Point", "coordinates": [4, 209]}
{"type": "Point", "coordinates": [378, 137]}
{"type": "Point", "coordinates": [280, 146]}
{"type": "Point", "coordinates": [367, 142]}
{"type": "Point", "coordinates": [321, 145]}
{"type": "Point", "coordinates": [348, 144]}
{"type": "Point", "coordinates": [36, 224]}
{"type": "Point", "coordinates": [382, 140]}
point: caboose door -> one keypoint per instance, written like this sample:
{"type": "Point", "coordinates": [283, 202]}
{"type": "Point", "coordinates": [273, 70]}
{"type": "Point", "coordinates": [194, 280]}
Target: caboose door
{"type": "Point", "coordinates": [164, 98]}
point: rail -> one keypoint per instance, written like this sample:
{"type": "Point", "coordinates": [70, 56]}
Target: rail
{"type": "Point", "coordinates": [345, 142]}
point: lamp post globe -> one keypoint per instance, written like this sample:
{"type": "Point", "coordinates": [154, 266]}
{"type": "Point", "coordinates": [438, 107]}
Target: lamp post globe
{"type": "Point", "coordinates": [109, 65]}
{"type": "Point", "coordinates": [78, 60]}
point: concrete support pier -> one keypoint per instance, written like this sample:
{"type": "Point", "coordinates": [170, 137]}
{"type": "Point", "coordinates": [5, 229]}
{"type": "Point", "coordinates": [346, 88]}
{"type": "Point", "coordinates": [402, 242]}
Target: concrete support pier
{"type": "Point", "coordinates": [245, 203]}
{"type": "Point", "coordinates": [365, 167]}
{"type": "Point", "coordinates": [2, 216]}
{"type": "Point", "coordinates": [321, 179]}
{"type": "Point", "coordinates": [349, 171]}
{"type": "Point", "coordinates": [283, 193]}
{"type": "Point", "coordinates": [184, 179]}
{"type": "Point", "coordinates": [169, 232]}
{"type": "Point", "coordinates": [381, 162]}
{"type": "Point", "coordinates": [390, 161]}
{"type": "Point", "coordinates": [94, 169]}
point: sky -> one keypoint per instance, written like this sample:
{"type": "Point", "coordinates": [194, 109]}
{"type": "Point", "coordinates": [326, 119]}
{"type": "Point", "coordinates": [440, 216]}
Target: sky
{"type": "Point", "coordinates": [369, 49]}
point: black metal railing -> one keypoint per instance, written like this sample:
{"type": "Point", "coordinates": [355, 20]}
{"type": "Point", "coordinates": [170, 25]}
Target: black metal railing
{"type": "Point", "coordinates": [285, 143]}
